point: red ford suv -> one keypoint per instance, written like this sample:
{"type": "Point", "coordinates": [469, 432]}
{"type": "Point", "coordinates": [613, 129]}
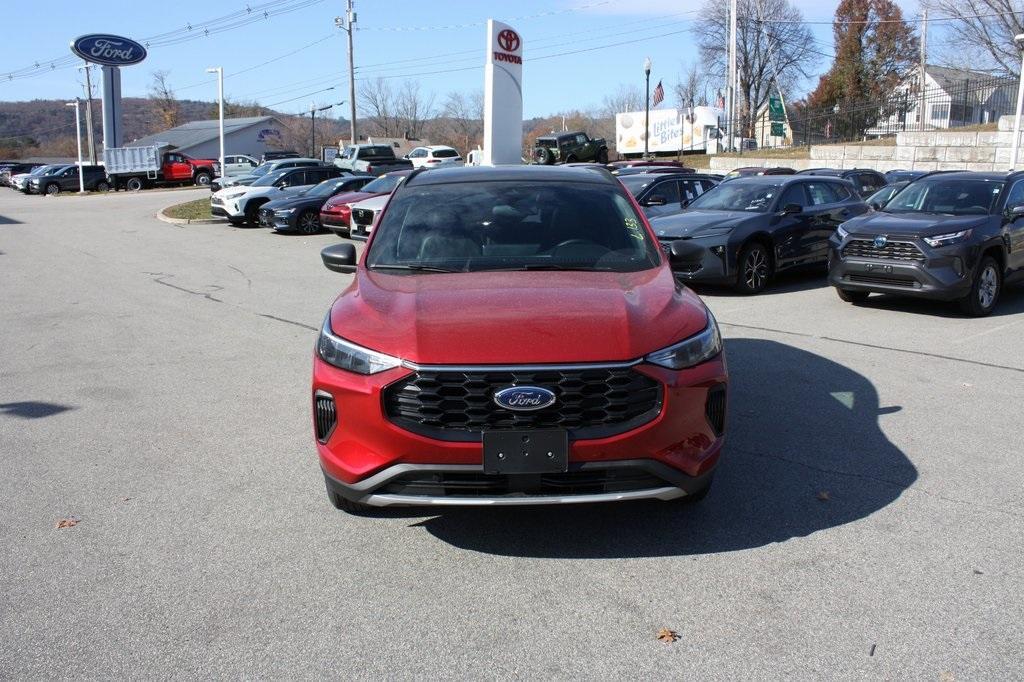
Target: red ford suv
{"type": "Point", "coordinates": [514, 335]}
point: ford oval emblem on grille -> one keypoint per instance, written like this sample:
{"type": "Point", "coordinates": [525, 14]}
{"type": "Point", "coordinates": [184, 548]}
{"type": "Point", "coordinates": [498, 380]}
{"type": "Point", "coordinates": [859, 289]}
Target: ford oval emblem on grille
{"type": "Point", "coordinates": [880, 241]}
{"type": "Point", "coordinates": [524, 398]}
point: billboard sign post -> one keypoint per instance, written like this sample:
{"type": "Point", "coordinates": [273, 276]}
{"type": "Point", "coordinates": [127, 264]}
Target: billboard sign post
{"type": "Point", "coordinates": [111, 52]}
{"type": "Point", "coordinates": [503, 95]}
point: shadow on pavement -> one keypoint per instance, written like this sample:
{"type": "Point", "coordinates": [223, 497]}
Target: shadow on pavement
{"type": "Point", "coordinates": [4, 220]}
{"type": "Point", "coordinates": [786, 282]}
{"type": "Point", "coordinates": [1011, 302]}
{"type": "Point", "coordinates": [800, 426]}
{"type": "Point", "coordinates": [32, 409]}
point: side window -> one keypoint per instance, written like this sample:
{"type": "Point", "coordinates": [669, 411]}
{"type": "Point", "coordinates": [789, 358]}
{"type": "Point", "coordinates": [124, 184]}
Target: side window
{"type": "Point", "coordinates": [707, 185]}
{"type": "Point", "coordinates": [794, 194]}
{"type": "Point", "coordinates": [669, 190]}
{"type": "Point", "coordinates": [690, 189]}
{"type": "Point", "coordinates": [821, 193]}
{"type": "Point", "coordinates": [842, 192]}
{"type": "Point", "coordinates": [418, 153]}
{"type": "Point", "coordinates": [1015, 197]}
{"type": "Point", "coordinates": [581, 139]}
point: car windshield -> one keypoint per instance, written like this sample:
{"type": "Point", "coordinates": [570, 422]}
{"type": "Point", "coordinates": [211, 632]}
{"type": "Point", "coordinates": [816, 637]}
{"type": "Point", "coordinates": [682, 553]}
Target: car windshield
{"type": "Point", "coordinates": [260, 170]}
{"type": "Point", "coordinates": [383, 185]}
{"type": "Point", "coordinates": [325, 188]}
{"type": "Point", "coordinates": [501, 225]}
{"type": "Point", "coordinates": [738, 195]}
{"type": "Point", "coordinates": [634, 184]}
{"type": "Point", "coordinates": [269, 179]}
{"type": "Point", "coordinates": [883, 195]}
{"type": "Point", "coordinates": [947, 195]}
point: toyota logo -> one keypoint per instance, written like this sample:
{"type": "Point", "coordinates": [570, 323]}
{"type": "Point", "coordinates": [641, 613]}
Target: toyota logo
{"type": "Point", "coordinates": [880, 241]}
{"type": "Point", "coordinates": [508, 40]}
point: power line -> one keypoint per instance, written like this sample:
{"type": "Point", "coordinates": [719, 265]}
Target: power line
{"type": "Point", "coordinates": [446, 27]}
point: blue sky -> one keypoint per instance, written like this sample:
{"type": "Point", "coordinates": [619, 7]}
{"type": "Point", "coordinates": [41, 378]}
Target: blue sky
{"type": "Point", "coordinates": [395, 38]}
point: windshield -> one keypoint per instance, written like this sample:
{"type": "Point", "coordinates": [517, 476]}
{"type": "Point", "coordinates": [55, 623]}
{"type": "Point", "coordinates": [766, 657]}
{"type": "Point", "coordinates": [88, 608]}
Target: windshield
{"type": "Point", "coordinates": [738, 195]}
{"type": "Point", "coordinates": [634, 185]}
{"type": "Point", "coordinates": [260, 170]}
{"type": "Point", "coordinates": [949, 195]}
{"type": "Point", "coordinates": [325, 188]}
{"type": "Point", "coordinates": [508, 225]}
{"type": "Point", "coordinates": [385, 184]}
{"type": "Point", "coordinates": [269, 179]}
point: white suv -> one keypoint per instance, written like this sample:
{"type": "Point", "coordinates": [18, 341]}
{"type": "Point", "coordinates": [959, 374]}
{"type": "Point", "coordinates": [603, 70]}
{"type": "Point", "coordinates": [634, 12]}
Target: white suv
{"type": "Point", "coordinates": [434, 156]}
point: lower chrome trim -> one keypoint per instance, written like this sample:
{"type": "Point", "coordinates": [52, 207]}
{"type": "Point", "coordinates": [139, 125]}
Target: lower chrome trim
{"type": "Point", "coordinates": [521, 368]}
{"type": "Point", "coordinates": [666, 493]}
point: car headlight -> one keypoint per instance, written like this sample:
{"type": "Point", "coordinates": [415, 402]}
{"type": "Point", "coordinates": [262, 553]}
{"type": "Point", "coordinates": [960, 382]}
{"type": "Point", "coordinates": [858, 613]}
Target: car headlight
{"type": "Point", "coordinates": [284, 212]}
{"type": "Point", "coordinates": [842, 233]}
{"type": "Point", "coordinates": [948, 239]}
{"type": "Point", "coordinates": [232, 196]}
{"type": "Point", "coordinates": [712, 232]}
{"type": "Point", "coordinates": [348, 356]}
{"type": "Point", "coordinates": [692, 351]}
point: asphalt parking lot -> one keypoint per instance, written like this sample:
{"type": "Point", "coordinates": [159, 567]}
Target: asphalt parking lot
{"type": "Point", "coordinates": [866, 520]}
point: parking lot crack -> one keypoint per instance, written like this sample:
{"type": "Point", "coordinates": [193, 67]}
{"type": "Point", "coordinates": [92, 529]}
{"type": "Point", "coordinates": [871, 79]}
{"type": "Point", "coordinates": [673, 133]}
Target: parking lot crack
{"type": "Point", "coordinates": [874, 346]}
{"type": "Point", "coordinates": [206, 295]}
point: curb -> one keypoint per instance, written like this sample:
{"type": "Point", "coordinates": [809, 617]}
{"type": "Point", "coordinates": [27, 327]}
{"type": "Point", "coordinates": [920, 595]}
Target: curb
{"type": "Point", "coordinates": [160, 215]}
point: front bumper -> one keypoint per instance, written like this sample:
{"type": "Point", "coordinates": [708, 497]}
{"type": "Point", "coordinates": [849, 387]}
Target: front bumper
{"type": "Point", "coordinates": [368, 458]}
{"type": "Point", "coordinates": [225, 209]}
{"type": "Point", "coordinates": [943, 274]}
{"type": "Point", "coordinates": [714, 264]}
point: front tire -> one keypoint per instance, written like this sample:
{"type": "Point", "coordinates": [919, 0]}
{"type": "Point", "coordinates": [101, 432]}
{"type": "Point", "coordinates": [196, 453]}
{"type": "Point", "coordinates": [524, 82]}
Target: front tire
{"type": "Point", "coordinates": [308, 222]}
{"type": "Point", "coordinates": [53, 189]}
{"type": "Point", "coordinates": [852, 296]}
{"type": "Point", "coordinates": [251, 214]}
{"type": "Point", "coordinates": [102, 186]}
{"type": "Point", "coordinates": [133, 184]}
{"type": "Point", "coordinates": [203, 179]}
{"type": "Point", "coordinates": [754, 267]}
{"type": "Point", "coordinates": [602, 156]}
{"type": "Point", "coordinates": [985, 289]}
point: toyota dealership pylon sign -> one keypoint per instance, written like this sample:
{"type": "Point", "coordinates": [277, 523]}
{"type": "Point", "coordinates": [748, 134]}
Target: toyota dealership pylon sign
{"type": "Point", "coordinates": [110, 52]}
{"type": "Point", "coordinates": [503, 95]}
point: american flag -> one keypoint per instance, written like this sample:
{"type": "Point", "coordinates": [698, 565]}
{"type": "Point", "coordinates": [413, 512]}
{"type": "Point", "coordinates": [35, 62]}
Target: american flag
{"type": "Point", "coordinates": [659, 95]}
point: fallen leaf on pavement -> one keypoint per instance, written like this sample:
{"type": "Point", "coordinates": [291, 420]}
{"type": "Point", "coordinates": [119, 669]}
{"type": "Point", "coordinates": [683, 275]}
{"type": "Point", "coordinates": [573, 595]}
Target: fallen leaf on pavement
{"type": "Point", "coordinates": [823, 496]}
{"type": "Point", "coordinates": [667, 636]}
{"type": "Point", "coordinates": [69, 522]}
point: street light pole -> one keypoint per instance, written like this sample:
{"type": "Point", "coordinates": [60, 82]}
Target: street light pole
{"type": "Point", "coordinates": [219, 70]}
{"type": "Point", "coordinates": [1019, 42]}
{"type": "Point", "coordinates": [647, 104]}
{"type": "Point", "coordinates": [87, 68]}
{"type": "Point", "coordinates": [78, 139]}
{"type": "Point", "coordinates": [347, 24]}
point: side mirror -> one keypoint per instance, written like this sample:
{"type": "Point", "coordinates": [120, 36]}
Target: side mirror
{"type": "Point", "coordinates": [877, 205]}
{"type": "Point", "coordinates": [339, 258]}
{"type": "Point", "coordinates": [792, 209]}
{"type": "Point", "coordinates": [686, 252]}
{"type": "Point", "coordinates": [1017, 211]}
{"type": "Point", "coordinates": [654, 200]}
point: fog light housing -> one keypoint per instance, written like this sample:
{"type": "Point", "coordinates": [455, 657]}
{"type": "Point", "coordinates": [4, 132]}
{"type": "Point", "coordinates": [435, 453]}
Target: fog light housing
{"type": "Point", "coordinates": [718, 251]}
{"type": "Point", "coordinates": [958, 266]}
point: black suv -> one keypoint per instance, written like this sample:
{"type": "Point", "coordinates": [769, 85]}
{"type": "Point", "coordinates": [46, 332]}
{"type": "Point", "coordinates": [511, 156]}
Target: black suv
{"type": "Point", "coordinates": [950, 236]}
{"type": "Point", "coordinates": [865, 180]}
{"type": "Point", "coordinates": [661, 194]}
{"type": "Point", "coordinates": [745, 230]}
{"type": "Point", "coordinates": [569, 148]}
{"type": "Point", "coordinates": [66, 180]}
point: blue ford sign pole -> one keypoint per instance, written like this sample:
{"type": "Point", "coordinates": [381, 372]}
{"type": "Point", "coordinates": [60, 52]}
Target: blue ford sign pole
{"type": "Point", "coordinates": [111, 52]}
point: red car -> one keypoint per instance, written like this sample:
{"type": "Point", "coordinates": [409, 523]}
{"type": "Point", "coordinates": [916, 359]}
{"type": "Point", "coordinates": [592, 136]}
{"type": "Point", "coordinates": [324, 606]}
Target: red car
{"type": "Point", "coordinates": [336, 214]}
{"type": "Point", "coordinates": [514, 335]}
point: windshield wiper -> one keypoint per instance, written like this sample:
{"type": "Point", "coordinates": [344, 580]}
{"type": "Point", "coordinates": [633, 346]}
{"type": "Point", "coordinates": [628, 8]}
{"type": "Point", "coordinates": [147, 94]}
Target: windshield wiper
{"type": "Point", "coordinates": [548, 266]}
{"type": "Point", "coordinates": [413, 268]}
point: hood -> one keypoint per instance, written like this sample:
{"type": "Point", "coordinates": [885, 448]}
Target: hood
{"type": "Point", "coordinates": [912, 224]}
{"type": "Point", "coordinates": [517, 317]}
{"type": "Point", "coordinates": [374, 203]}
{"type": "Point", "coordinates": [298, 201]}
{"type": "Point", "coordinates": [688, 223]}
{"type": "Point", "coordinates": [348, 198]}
{"type": "Point", "coordinates": [272, 192]}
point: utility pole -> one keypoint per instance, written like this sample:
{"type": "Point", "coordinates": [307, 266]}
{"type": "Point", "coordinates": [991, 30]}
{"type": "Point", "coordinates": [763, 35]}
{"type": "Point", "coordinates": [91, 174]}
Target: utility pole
{"type": "Point", "coordinates": [312, 130]}
{"type": "Point", "coordinates": [347, 24]}
{"type": "Point", "coordinates": [731, 82]}
{"type": "Point", "coordinates": [924, 57]}
{"type": "Point", "coordinates": [88, 113]}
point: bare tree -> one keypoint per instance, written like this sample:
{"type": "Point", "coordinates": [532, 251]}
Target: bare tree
{"type": "Point", "coordinates": [625, 98]}
{"type": "Point", "coordinates": [692, 88]}
{"type": "Point", "coordinates": [983, 32]}
{"type": "Point", "coordinates": [165, 103]}
{"type": "Point", "coordinates": [413, 108]}
{"type": "Point", "coordinates": [464, 119]}
{"type": "Point", "coordinates": [777, 52]}
{"type": "Point", "coordinates": [377, 104]}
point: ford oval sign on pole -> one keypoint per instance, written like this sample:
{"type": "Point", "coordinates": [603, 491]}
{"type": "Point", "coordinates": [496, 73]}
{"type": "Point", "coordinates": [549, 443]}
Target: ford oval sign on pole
{"type": "Point", "coordinates": [111, 52]}
{"type": "Point", "coordinates": [108, 50]}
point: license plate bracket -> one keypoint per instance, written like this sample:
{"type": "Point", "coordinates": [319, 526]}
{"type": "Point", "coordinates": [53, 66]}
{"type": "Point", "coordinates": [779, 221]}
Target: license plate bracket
{"type": "Point", "coordinates": [526, 452]}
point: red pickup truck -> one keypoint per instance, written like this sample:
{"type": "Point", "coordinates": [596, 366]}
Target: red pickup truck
{"type": "Point", "coordinates": [135, 168]}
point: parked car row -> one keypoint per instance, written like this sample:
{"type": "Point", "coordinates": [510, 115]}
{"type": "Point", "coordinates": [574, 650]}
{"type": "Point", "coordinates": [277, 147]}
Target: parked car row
{"type": "Point", "coordinates": [54, 178]}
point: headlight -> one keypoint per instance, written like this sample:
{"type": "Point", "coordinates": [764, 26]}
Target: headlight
{"type": "Point", "coordinates": [232, 195]}
{"type": "Point", "coordinates": [712, 232]}
{"type": "Point", "coordinates": [284, 212]}
{"type": "Point", "coordinates": [842, 233]}
{"type": "Point", "coordinates": [948, 239]}
{"type": "Point", "coordinates": [348, 356]}
{"type": "Point", "coordinates": [692, 351]}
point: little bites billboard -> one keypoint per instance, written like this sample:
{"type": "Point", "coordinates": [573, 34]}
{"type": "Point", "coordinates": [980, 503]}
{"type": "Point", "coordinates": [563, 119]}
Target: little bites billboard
{"type": "Point", "coordinates": [503, 95]}
{"type": "Point", "coordinates": [671, 130]}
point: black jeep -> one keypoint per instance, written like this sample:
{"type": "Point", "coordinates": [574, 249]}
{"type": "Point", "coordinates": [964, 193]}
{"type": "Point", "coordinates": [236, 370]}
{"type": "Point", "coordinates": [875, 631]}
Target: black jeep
{"type": "Point", "coordinates": [569, 148]}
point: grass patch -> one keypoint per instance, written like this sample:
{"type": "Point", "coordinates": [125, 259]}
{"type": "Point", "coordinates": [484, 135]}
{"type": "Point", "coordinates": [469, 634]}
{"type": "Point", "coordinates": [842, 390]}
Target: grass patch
{"type": "Point", "coordinates": [190, 210]}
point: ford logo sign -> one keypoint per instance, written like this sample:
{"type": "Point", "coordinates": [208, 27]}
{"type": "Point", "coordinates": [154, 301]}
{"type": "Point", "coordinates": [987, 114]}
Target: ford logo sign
{"type": "Point", "coordinates": [880, 241]}
{"type": "Point", "coordinates": [524, 398]}
{"type": "Point", "coordinates": [100, 48]}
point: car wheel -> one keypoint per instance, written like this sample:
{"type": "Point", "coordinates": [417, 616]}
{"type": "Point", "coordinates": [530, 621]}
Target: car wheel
{"type": "Point", "coordinates": [344, 504]}
{"type": "Point", "coordinates": [602, 156]}
{"type": "Point", "coordinates": [988, 282]}
{"type": "Point", "coordinates": [309, 222]}
{"type": "Point", "coordinates": [237, 222]}
{"type": "Point", "coordinates": [754, 268]}
{"type": "Point", "coordinates": [203, 179]}
{"type": "Point", "coordinates": [852, 296]}
{"type": "Point", "coordinates": [133, 184]}
{"type": "Point", "coordinates": [251, 214]}
{"type": "Point", "coordinates": [53, 189]}
{"type": "Point", "coordinates": [102, 186]}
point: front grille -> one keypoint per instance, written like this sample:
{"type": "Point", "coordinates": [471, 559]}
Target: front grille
{"type": "Point", "coordinates": [471, 484]}
{"type": "Point", "coordinates": [362, 216]}
{"type": "Point", "coordinates": [325, 416]}
{"type": "Point", "coordinates": [459, 405]}
{"type": "Point", "coordinates": [899, 251]}
{"type": "Point", "coordinates": [887, 281]}
{"type": "Point", "coordinates": [714, 409]}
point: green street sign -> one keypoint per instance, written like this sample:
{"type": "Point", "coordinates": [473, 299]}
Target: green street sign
{"type": "Point", "coordinates": [778, 129]}
{"type": "Point", "coordinates": [775, 110]}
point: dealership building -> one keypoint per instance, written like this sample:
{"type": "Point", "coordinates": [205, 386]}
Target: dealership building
{"type": "Point", "coordinates": [251, 135]}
